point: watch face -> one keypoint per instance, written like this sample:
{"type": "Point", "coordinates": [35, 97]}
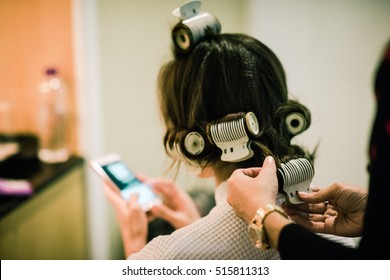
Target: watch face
{"type": "Point", "coordinates": [252, 123]}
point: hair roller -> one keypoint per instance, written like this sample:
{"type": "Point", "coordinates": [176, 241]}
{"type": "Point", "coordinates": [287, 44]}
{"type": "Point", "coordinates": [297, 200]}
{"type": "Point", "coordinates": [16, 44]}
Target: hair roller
{"type": "Point", "coordinates": [233, 134]}
{"type": "Point", "coordinates": [183, 145]}
{"type": "Point", "coordinates": [294, 176]}
{"type": "Point", "coordinates": [293, 117]}
{"type": "Point", "coordinates": [194, 145]}
{"type": "Point", "coordinates": [295, 123]}
{"type": "Point", "coordinates": [193, 26]}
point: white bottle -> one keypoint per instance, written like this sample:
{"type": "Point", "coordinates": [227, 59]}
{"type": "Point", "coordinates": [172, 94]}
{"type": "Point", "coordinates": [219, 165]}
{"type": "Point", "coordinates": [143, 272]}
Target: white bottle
{"type": "Point", "coordinates": [52, 118]}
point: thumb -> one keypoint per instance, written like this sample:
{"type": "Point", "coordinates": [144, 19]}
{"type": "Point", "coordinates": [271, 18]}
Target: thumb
{"type": "Point", "coordinates": [317, 196]}
{"type": "Point", "coordinates": [269, 165]}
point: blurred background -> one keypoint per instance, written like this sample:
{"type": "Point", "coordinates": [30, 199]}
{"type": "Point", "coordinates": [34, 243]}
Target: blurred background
{"type": "Point", "coordinates": [109, 53]}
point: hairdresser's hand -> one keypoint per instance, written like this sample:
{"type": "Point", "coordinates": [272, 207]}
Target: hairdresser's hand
{"type": "Point", "coordinates": [338, 209]}
{"type": "Point", "coordinates": [178, 208]}
{"type": "Point", "coordinates": [132, 219]}
{"type": "Point", "coordinates": [251, 188]}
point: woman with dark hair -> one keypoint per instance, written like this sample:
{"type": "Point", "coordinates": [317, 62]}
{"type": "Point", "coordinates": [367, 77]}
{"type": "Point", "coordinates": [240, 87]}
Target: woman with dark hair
{"type": "Point", "coordinates": [225, 105]}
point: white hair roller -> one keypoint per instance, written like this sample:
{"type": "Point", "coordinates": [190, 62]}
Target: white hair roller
{"type": "Point", "coordinates": [233, 133]}
{"type": "Point", "coordinates": [193, 26]}
{"type": "Point", "coordinates": [296, 123]}
{"type": "Point", "coordinates": [294, 176]}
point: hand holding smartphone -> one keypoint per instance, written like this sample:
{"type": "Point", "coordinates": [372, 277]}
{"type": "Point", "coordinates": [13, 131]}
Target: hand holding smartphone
{"type": "Point", "coordinates": [115, 172]}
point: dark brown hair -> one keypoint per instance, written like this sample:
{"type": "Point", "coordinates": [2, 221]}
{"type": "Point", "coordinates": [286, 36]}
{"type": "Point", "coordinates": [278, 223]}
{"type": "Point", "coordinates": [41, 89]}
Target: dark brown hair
{"type": "Point", "coordinates": [225, 74]}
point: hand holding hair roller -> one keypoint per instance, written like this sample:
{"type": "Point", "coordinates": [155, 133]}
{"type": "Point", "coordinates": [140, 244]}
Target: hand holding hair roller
{"type": "Point", "coordinates": [294, 176]}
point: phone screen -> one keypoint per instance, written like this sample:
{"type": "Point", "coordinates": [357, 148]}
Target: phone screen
{"type": "Point", "coordinates": [128, 183]}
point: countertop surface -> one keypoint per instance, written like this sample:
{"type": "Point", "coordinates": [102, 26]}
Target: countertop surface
{"type": "Point", "coordinates": [39, 174]}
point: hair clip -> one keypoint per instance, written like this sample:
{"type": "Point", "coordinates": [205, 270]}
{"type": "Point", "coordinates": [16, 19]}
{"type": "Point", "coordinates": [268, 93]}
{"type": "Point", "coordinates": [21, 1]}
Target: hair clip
{"type": "Point", "coordinates": [294, 176]}
{"type": "Point", "coordinates": [193, 26]}
{"type": "Point", "coordinates": [233, 133]}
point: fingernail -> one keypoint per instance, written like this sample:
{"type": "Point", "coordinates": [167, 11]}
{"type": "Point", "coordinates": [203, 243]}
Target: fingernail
{"type": "Point", "coordinates": [302, 194]}
{"type": "Point", "coordinates": [270, 159]}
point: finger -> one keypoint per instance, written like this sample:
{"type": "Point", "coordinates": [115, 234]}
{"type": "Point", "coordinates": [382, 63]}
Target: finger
{"type": "Point", "coordinates": [309, 216]}
{"type": "Point", "coordinates": [315, 189]}
{"type": "Point", "coordinates": [113, 196]}
{"type": "Point", "coordinates": [165, 188]}
{"type": "Point", "coordinates": [330, 212]}
{"type": "Point", "coordinates": [142, 177]}
{"type": "Point", "coordinates": [269, 164]}
{"type": "Point", "coordinates": [133, 200]}
{"type": "Point", "coordinates": [318, 227]}
{"type": "Point", "coordinates": [164, 212]}
{"type": "Point", "coordinates": [111, 186]}
{"type": "Point", "coordinates": [162, 189]}
{"type": "Point", "coordinates": [116, 200]}
{"type": "Point", "coordinates": [250, 172]}
{"type": "Point", "coordinates": [323, 195]}
{"type": "Point", "coordinates": [316, 218]}
{"type": "Point", "coordinates": [268, 169]}
{"type": "Point", "coordinates": [318, 208]}
{"type": "Point", "coordinates": [318, 196]}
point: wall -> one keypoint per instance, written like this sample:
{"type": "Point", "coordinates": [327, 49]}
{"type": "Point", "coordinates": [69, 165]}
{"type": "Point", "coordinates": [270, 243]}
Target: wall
{"type": "Point", "coordinates": [34, 35]}
{"type": "Point", "coordinates": [330, 50]}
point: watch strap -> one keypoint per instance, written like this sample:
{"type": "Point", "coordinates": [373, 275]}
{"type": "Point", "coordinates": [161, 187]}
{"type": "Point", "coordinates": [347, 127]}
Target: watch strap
{"type": "Point", "coordinates": [256, 228]}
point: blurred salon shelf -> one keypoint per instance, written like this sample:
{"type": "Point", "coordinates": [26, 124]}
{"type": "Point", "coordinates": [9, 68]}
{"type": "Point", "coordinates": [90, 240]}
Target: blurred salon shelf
{"type": "Point", "coordinates": [51, 223]}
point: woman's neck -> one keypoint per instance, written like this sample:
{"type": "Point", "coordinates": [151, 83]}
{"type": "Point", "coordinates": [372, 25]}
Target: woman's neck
{"type": "Point", "coordinates": [218, 174]}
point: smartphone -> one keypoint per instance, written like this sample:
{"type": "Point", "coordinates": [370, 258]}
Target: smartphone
{"type": "Point", "coordinates": [115, 172]}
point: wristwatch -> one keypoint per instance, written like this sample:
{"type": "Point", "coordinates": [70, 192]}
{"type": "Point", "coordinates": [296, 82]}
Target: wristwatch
{"type": "Point", "coordinates": [256, 228]}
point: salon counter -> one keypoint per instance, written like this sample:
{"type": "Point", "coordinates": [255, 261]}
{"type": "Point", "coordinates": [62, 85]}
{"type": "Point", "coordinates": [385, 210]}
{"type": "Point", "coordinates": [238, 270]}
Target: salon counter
{"type": "Point", "coordinates": [51, 223]}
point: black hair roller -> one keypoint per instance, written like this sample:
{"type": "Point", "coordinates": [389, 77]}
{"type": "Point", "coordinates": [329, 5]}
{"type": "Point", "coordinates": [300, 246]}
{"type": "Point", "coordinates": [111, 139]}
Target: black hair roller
{"type": "Point", "coordinates": [193, 26]}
